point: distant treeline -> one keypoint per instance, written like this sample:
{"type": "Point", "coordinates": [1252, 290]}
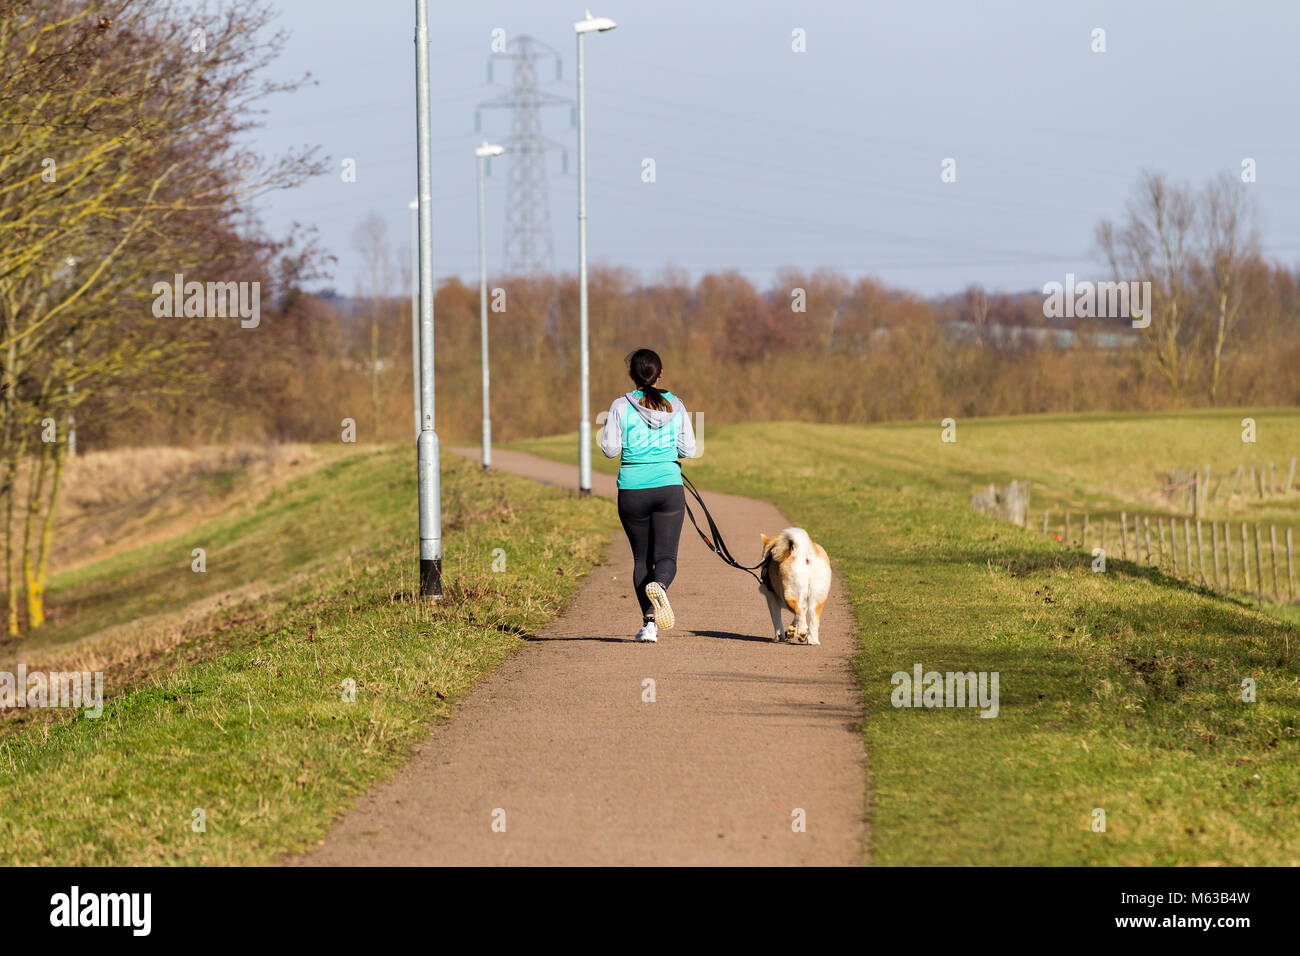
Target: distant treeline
{"type": "Point", "coordinates": [857, 352]}
{"type": "Point", "coordinates": [1222, 328]}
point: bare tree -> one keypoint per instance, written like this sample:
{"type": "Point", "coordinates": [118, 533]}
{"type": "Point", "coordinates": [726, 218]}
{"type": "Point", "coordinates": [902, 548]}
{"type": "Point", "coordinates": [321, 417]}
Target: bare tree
{"type": "Point", "coordinates": [122, 163]}
{"type": "Point", "coordinates": [1156, 244]}
{"type": "Point", "coordinates": [975, 310]}
{"type": "Point", "coordinates": [1231, 242]}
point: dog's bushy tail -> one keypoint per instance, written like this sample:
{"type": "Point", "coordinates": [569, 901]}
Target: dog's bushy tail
{"type": "Point", "coordinates": [791, 539]}
{"type": "Point", "coordinates": [779, 547]}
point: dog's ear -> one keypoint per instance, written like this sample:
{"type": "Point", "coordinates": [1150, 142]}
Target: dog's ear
{"type": "Point", "coordinates": [765, 538]}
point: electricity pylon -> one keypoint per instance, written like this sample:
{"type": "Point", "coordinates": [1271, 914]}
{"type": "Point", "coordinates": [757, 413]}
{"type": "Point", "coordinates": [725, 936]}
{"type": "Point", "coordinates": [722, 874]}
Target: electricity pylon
{"type": "Point", "coordinates": [529, 247]}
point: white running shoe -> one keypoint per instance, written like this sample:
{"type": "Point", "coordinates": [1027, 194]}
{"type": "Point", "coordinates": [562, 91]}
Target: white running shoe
{"type": "Point", "coordinates": [659, 598]}
{"type": "Point", "coordinates": [649, 633]}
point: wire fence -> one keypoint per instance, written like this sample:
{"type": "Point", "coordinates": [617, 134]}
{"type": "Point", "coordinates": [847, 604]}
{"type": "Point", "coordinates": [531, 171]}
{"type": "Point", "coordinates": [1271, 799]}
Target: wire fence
{"type": "Point", "coordinates": [1226, 556]}
{"type": "Point", "coordinates": [1192, 489]}
{"type": "Point", "coordinates": [1229, 556]}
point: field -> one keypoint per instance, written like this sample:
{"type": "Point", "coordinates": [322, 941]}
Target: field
{"type": "Point", "coordinates": [1120, 691]}
{"type": "Point", "coordinates": [225, 690]}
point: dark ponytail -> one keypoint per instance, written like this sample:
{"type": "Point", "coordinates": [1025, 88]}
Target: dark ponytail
{"type": "Point", "coordinates": [645, 368]}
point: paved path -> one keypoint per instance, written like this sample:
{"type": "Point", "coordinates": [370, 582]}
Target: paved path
{"type": "Point", "coordinates": [741, 733]}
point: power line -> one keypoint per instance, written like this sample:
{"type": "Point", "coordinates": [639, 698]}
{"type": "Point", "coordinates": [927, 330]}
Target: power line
{"type": "Point", "coordinates": [883, 147]}
{"type": "Point", "coordinates": [789, 222]}
{"type": "Point", "coordinates": [808, 182]}
{"type": "Point", "coordinates": [1127, 139]}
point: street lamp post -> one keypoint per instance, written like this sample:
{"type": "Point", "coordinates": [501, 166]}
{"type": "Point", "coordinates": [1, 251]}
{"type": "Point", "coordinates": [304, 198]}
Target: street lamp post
{"type": "Point", "coordinates": [430, 493]}
{"type": "Point", "coordinates": [582, 28]}
{"type": "Point", "coordinates": [482, 153]}
{"type": "Point", "coordinates": [415, 311]}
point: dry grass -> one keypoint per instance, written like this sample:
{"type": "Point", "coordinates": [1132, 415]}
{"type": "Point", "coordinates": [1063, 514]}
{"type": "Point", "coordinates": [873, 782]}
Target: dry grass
{"type": "Point", "coordinates": [139, 641]}
{"type": "Point", "coordinates": [117, 500]}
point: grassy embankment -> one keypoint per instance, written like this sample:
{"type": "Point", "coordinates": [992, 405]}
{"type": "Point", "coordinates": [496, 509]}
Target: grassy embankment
{"type": "Point", "coordinates": [1120, 691]}
{"type": "Point", "coordinates": [227, 687]}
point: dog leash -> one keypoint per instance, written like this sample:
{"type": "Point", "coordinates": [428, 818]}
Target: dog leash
{"type": "Point", "coordinates": [717, 545]}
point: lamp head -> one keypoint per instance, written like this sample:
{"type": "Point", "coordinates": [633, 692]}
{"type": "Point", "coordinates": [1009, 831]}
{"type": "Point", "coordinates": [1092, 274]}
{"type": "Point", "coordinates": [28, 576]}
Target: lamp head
{"type": "Point", "coordinates": [594, 24]}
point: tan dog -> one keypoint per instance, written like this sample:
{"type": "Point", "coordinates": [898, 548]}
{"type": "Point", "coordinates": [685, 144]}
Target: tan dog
{"type": "Point", "coordinates": [796, 574]}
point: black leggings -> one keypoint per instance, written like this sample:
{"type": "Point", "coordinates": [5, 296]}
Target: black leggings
{"type": "Point", "coordinates": [652, 518]}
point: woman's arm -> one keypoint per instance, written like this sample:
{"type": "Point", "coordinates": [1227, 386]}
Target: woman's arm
{"type": "Point", "coordinates": [685, 437]}
{"type": "Point", "coordinates": [611, 436]}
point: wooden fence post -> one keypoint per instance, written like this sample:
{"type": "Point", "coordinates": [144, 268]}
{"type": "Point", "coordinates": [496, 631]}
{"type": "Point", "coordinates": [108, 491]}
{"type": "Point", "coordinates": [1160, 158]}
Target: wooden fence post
{"type": "Point", "coordinates": [1068, 539]}
{"type": "Point", "coordinates": [1227, 556]}
{"type": "Point", "coordinates": [1146, 531]}
{"type": "Point", "coordinates": [1245, 560]}
{"type": "Point", "coordinates": [1045, 513]}
{"type": "Point", "coordinates": [1272, 542]}
{"type": "Point", "coordinates": [1187, 545]}
{"type": "Point", "coordinates": [1290, 579]}
{"type": "Point", "coordinates": [1200, 551]}
{"type": "Point", "coordinates": [1214, 548]}
{"type": "Point", "coordinates": [1259, 569]}
{"type": "Point", "coordinates": [1085, 533]}
{"type": "Point", "coordinates": [1123, 534]}
{"type": "Point", "coordinates": [1290, 477]}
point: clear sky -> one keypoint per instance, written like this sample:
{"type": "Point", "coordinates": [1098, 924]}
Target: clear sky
{"type": "Point", "coordinates": [766, 157]}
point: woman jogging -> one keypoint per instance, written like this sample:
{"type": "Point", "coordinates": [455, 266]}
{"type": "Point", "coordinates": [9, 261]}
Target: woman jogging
{"type": "Point", "coordinates": [651, 430]}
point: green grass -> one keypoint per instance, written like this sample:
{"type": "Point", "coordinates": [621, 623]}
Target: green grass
{"type": "Point", "coordinates": [1119, 691]}
{"type": "Point", "coordinates": [245, 719]}
{"type": "Point", "coordinates": [344, 507]}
